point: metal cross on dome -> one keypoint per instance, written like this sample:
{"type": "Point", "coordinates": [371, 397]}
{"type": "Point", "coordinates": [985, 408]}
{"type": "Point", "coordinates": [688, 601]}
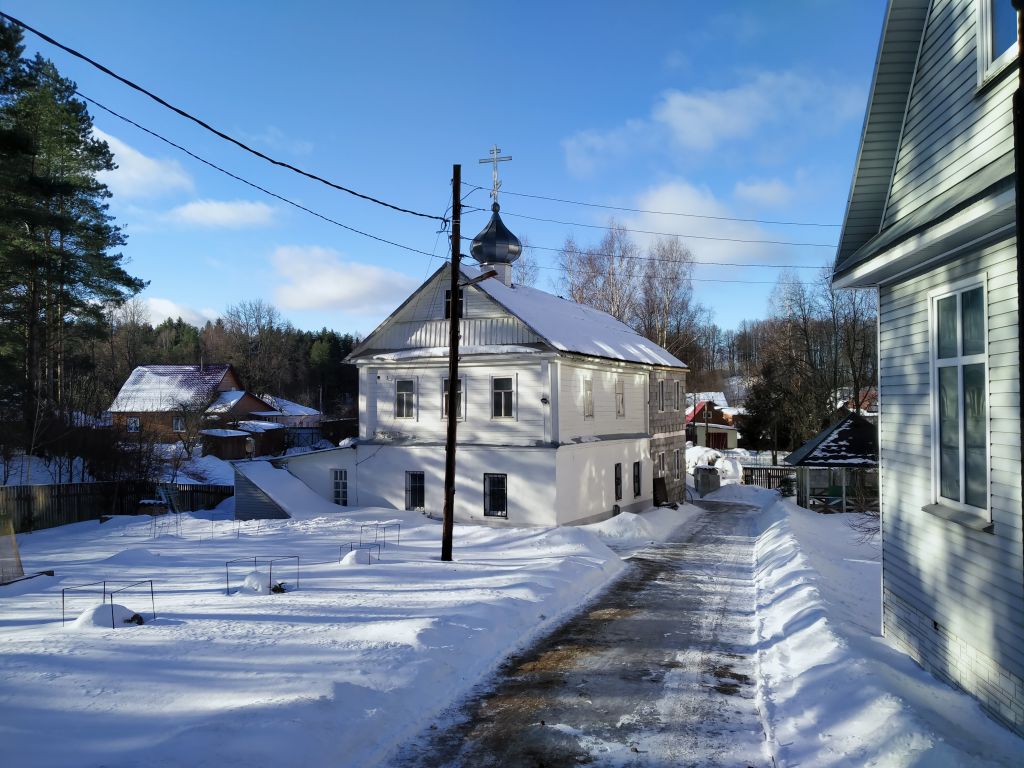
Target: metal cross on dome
{"type": "Point", "coordinates": [494, 159]}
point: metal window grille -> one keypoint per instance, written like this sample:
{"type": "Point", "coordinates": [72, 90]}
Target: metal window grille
{"type": "Point", "coordinates": [495, 495]}
{"type": "Point", "coordinates": [636, 478]}
{"type": "Point", "coordinates": [414, 491]}
{"type": "Point", "coordinates": [618, 482]}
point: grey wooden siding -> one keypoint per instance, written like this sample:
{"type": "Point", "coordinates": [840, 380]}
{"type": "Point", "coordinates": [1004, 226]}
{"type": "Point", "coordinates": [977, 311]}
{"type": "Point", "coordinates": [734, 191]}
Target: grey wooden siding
{"type": "Point", "coordinates": [421, 322]}
{"type": "Point", "coordinates": [952, 129]}
{"type": "Point", "coordinates": [969, 581]}
{"type": "Point", "coordinates": [251, 503]}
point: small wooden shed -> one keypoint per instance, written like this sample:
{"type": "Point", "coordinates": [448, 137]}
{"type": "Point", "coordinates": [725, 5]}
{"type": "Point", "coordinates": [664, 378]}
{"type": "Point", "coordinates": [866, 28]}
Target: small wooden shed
{"type": "Point", "coordinates": [837, 469]}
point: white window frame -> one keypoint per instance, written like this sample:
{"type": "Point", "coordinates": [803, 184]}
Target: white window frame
{"type": "Point", "coordinates": [677, 464]}
{"type": "Point", "coordinates": [133, 424]}
{"type": "Point", "coordinates": [460, 304]}
{"type": "Point", "coordinates": [339, 486]}
{"type": "Point", "coordinates": [461, 416]}
{"type": "Point", "coordinates": [620, 398]}
{"type": "Point", "coordinates": [661, 464]}
{"type": "Point", "coordinates": [990, 63]}
{"type": "Point", "coordinates": [412, 381]}
{"type": "Point", "coordinates": [512, 399]}
{"type": "Point", "coordinates": [934, 297]}
{"type": "Point", "coordinates": [661, 395]}
{"type": "Point", "coordinates": [177, 423]}
{"type": "Point", "coordinates": [679, 395]}
{"type": "Point", "coordinates": [588, 398]}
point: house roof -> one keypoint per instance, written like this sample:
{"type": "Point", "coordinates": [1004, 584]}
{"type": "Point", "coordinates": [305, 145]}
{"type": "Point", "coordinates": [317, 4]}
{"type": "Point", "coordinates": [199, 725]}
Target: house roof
{"type": "Point", "coordinates": [893, 78]}
{"type": "Point", "coordinates": [718, 398]}
{"type": "Point", "coordinates": [562, 324]}
{"type": "Point", "coordinates": [850, 442]}
{"type": "Point", "coordinates": [287, 407]}
{"type": "Point", "coordinates": [164, 388]}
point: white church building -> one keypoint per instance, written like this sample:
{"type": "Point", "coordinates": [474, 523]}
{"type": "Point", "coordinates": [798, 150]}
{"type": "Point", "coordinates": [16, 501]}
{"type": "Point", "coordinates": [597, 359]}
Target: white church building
{"type": "Point", "coordinates": [566, 415]}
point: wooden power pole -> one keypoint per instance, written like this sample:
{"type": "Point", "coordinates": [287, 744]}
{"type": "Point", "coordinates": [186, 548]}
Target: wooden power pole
{"type": "Point", "coordinates": [454, 391]}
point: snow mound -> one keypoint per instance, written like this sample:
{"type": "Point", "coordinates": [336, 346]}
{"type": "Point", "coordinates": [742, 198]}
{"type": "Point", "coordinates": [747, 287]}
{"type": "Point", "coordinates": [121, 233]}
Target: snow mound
{"type": "Point", "coordinates": [655, 524]}
{"type": "Point", "coordinates": [133, 557]}
{"type": "Point", "coordinates": [699, 456]}
{"type": "Point", "coordinates": [357, 557]}
{"type": "Point", "coordinates": [257, 583]}
{"type": "Point", "coordinates": [102, 615]}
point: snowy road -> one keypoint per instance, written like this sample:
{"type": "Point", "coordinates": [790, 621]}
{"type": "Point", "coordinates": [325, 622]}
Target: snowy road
{"type": "Point", "coordinates": [658, 671]}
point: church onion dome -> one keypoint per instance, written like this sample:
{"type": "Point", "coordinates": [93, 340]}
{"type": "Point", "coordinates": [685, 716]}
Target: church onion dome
{"type": "Point", "coordinates": [495, 244]}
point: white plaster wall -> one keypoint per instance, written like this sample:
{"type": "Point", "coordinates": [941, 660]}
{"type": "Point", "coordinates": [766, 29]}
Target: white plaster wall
{"type": "Point", "coordinates": [380, 480]}
{"type": "Point", "coordinates": [314, 469]}
{"type": "Point", "coordinates": [586, 478]}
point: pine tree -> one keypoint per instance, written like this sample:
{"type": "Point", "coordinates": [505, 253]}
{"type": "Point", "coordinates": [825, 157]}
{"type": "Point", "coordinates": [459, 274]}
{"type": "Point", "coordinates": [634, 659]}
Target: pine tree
{"type": "Point", "coordinates": [57, 265]}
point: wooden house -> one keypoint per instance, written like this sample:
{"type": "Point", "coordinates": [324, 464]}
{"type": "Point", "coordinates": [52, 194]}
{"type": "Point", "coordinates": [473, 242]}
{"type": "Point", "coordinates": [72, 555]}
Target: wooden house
{"type": "Point", "coordinates": [707, 425]}
{"type": "Point", "coordinates": [931, 224]}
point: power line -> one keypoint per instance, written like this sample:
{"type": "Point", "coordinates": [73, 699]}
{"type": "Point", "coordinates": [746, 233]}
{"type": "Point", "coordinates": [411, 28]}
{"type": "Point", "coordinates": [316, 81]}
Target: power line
{"type": "Point", "coordinates": [671, 234]}
{"type": "Point", "coordinates": [697, 279]}
{"type": "Point", "coordinates": [209, 127]}
{"type": "Point", "coordinates": [664, 213]}
{"type": "Point", "coordinates": [264, 190]}
{"type": "Point", "coordinates": [671, 261]}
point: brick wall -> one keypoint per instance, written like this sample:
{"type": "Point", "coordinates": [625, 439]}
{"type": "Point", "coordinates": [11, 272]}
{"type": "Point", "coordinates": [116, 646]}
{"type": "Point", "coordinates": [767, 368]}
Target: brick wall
{"type": "Point", "coordinates": [950, 658]}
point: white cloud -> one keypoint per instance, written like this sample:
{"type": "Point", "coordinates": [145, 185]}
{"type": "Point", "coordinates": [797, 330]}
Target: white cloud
{"type": "Point", "coordinates": [319, 278]}
{"type": "Point", "coordinates": [161, 309]}
{"type": "Point", "coordinates": [703, 120]}
{"type": "Point", "coordinates": [274, 138]}
{"type": "Point", "coordinates": [223, 214]}
{"type": "Point", "coordinates": [767, 193]}
{"type": "Point", "coordinates": [730, 236]}
{"type": "Point", "coordinates": [139, 176]}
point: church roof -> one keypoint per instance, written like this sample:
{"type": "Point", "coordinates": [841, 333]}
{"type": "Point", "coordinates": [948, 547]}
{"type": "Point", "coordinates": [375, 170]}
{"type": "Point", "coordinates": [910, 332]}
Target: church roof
{"type": "Point", "coordinates": [496, 244]}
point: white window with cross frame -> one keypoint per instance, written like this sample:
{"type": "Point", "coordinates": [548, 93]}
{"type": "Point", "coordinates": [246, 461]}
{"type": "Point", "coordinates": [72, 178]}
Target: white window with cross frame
{"type": "Point", "coordinates": [959, 387]}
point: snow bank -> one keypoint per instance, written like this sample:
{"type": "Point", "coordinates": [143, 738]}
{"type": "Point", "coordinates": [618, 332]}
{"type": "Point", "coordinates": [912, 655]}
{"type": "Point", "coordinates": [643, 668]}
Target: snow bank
{"type": "Point", "coordinates": [825, 672]}
{"type": "Point", "coordinates": [699, 456]}
{"type": "Point", "coordinates": [628, 530]}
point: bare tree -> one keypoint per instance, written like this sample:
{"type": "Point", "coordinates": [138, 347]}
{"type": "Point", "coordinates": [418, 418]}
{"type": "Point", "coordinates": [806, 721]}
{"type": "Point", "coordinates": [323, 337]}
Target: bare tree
{"type": "Point", "coordinates": [606, 277]}
{"type": "Point", "coordinates": [525, 269]}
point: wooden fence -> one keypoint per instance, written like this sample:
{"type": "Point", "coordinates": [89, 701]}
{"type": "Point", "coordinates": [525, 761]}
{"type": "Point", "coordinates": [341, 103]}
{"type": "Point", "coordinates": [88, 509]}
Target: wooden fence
{"type": "Point", "coordinates": [34, 507]}
{"type": "Point", "coordinates": [772, 478]}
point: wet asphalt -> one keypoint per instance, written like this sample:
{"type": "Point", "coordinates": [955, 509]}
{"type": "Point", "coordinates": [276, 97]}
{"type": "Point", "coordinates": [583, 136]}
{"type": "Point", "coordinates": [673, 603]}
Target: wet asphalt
{"type": "Point", "coordinates": [657, 671]}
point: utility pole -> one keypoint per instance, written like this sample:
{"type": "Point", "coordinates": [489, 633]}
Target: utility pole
{"type": "Point", "coordinates": [454, 393]}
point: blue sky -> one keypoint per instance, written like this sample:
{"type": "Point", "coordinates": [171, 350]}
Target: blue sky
{"type": "Point", "coordinates": [734, 109]}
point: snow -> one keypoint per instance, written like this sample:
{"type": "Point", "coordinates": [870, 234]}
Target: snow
{"type": "Point", "coordinates": [38, 470]}
{"type": "Point", "coordinates": [573, 327]}
{"type": "Point", "coordinates": [339, 671]}
{"type": "Point", "coordinates": [361, 656]}
{"type": "Point", "coordinates": [223, 433]}
{"type": "Point", "coordinates": [718, 398]}
{"type": "Point", "coordinates": [833, 692]}
{"type": "Point", "coordinates": [258, 426]}
{"type": "Point", "coordinates": [155, 388]}
{"type": "Point", "coordinates": [699, 456]}
{"type": "Point", "coordinates": [287, 407]}
{"type": "Point", "coordinates": [465, 350]}
{"type": "Point", "coordinates": [225, 401]}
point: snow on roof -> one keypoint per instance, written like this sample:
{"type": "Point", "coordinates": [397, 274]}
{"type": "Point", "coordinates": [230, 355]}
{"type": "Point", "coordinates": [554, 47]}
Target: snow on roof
{"type": "Point", "coordinates": [291, 494]}
{"type": "Point", "coordinates": [226, 401]}
{"type": "Point", "coordinates": [573, 327]}
{"type": "Point", "coordinates": [259, 426]}
{"type": "Point", "coordinates": [718, 398]}
{"type": "Point", "coordinates": [162, 388]}
{"type": "Point", "coordinates": [287, 407]}
{"type": "Point", "coordinates": [464, 350]}
{"type": "Point", "coordinates": [223, 433]}
{"type": "Point", "coordinates": [851, 442]}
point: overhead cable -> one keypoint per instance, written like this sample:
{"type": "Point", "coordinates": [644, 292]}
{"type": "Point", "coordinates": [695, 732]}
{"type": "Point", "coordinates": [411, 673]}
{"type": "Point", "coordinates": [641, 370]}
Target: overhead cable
{"type": "Point", "coordinates": [264, 190]}
{"type": "Point", "coordinates": [209, 127]}
{"type": "Point", "coordinates": [663, 213]}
